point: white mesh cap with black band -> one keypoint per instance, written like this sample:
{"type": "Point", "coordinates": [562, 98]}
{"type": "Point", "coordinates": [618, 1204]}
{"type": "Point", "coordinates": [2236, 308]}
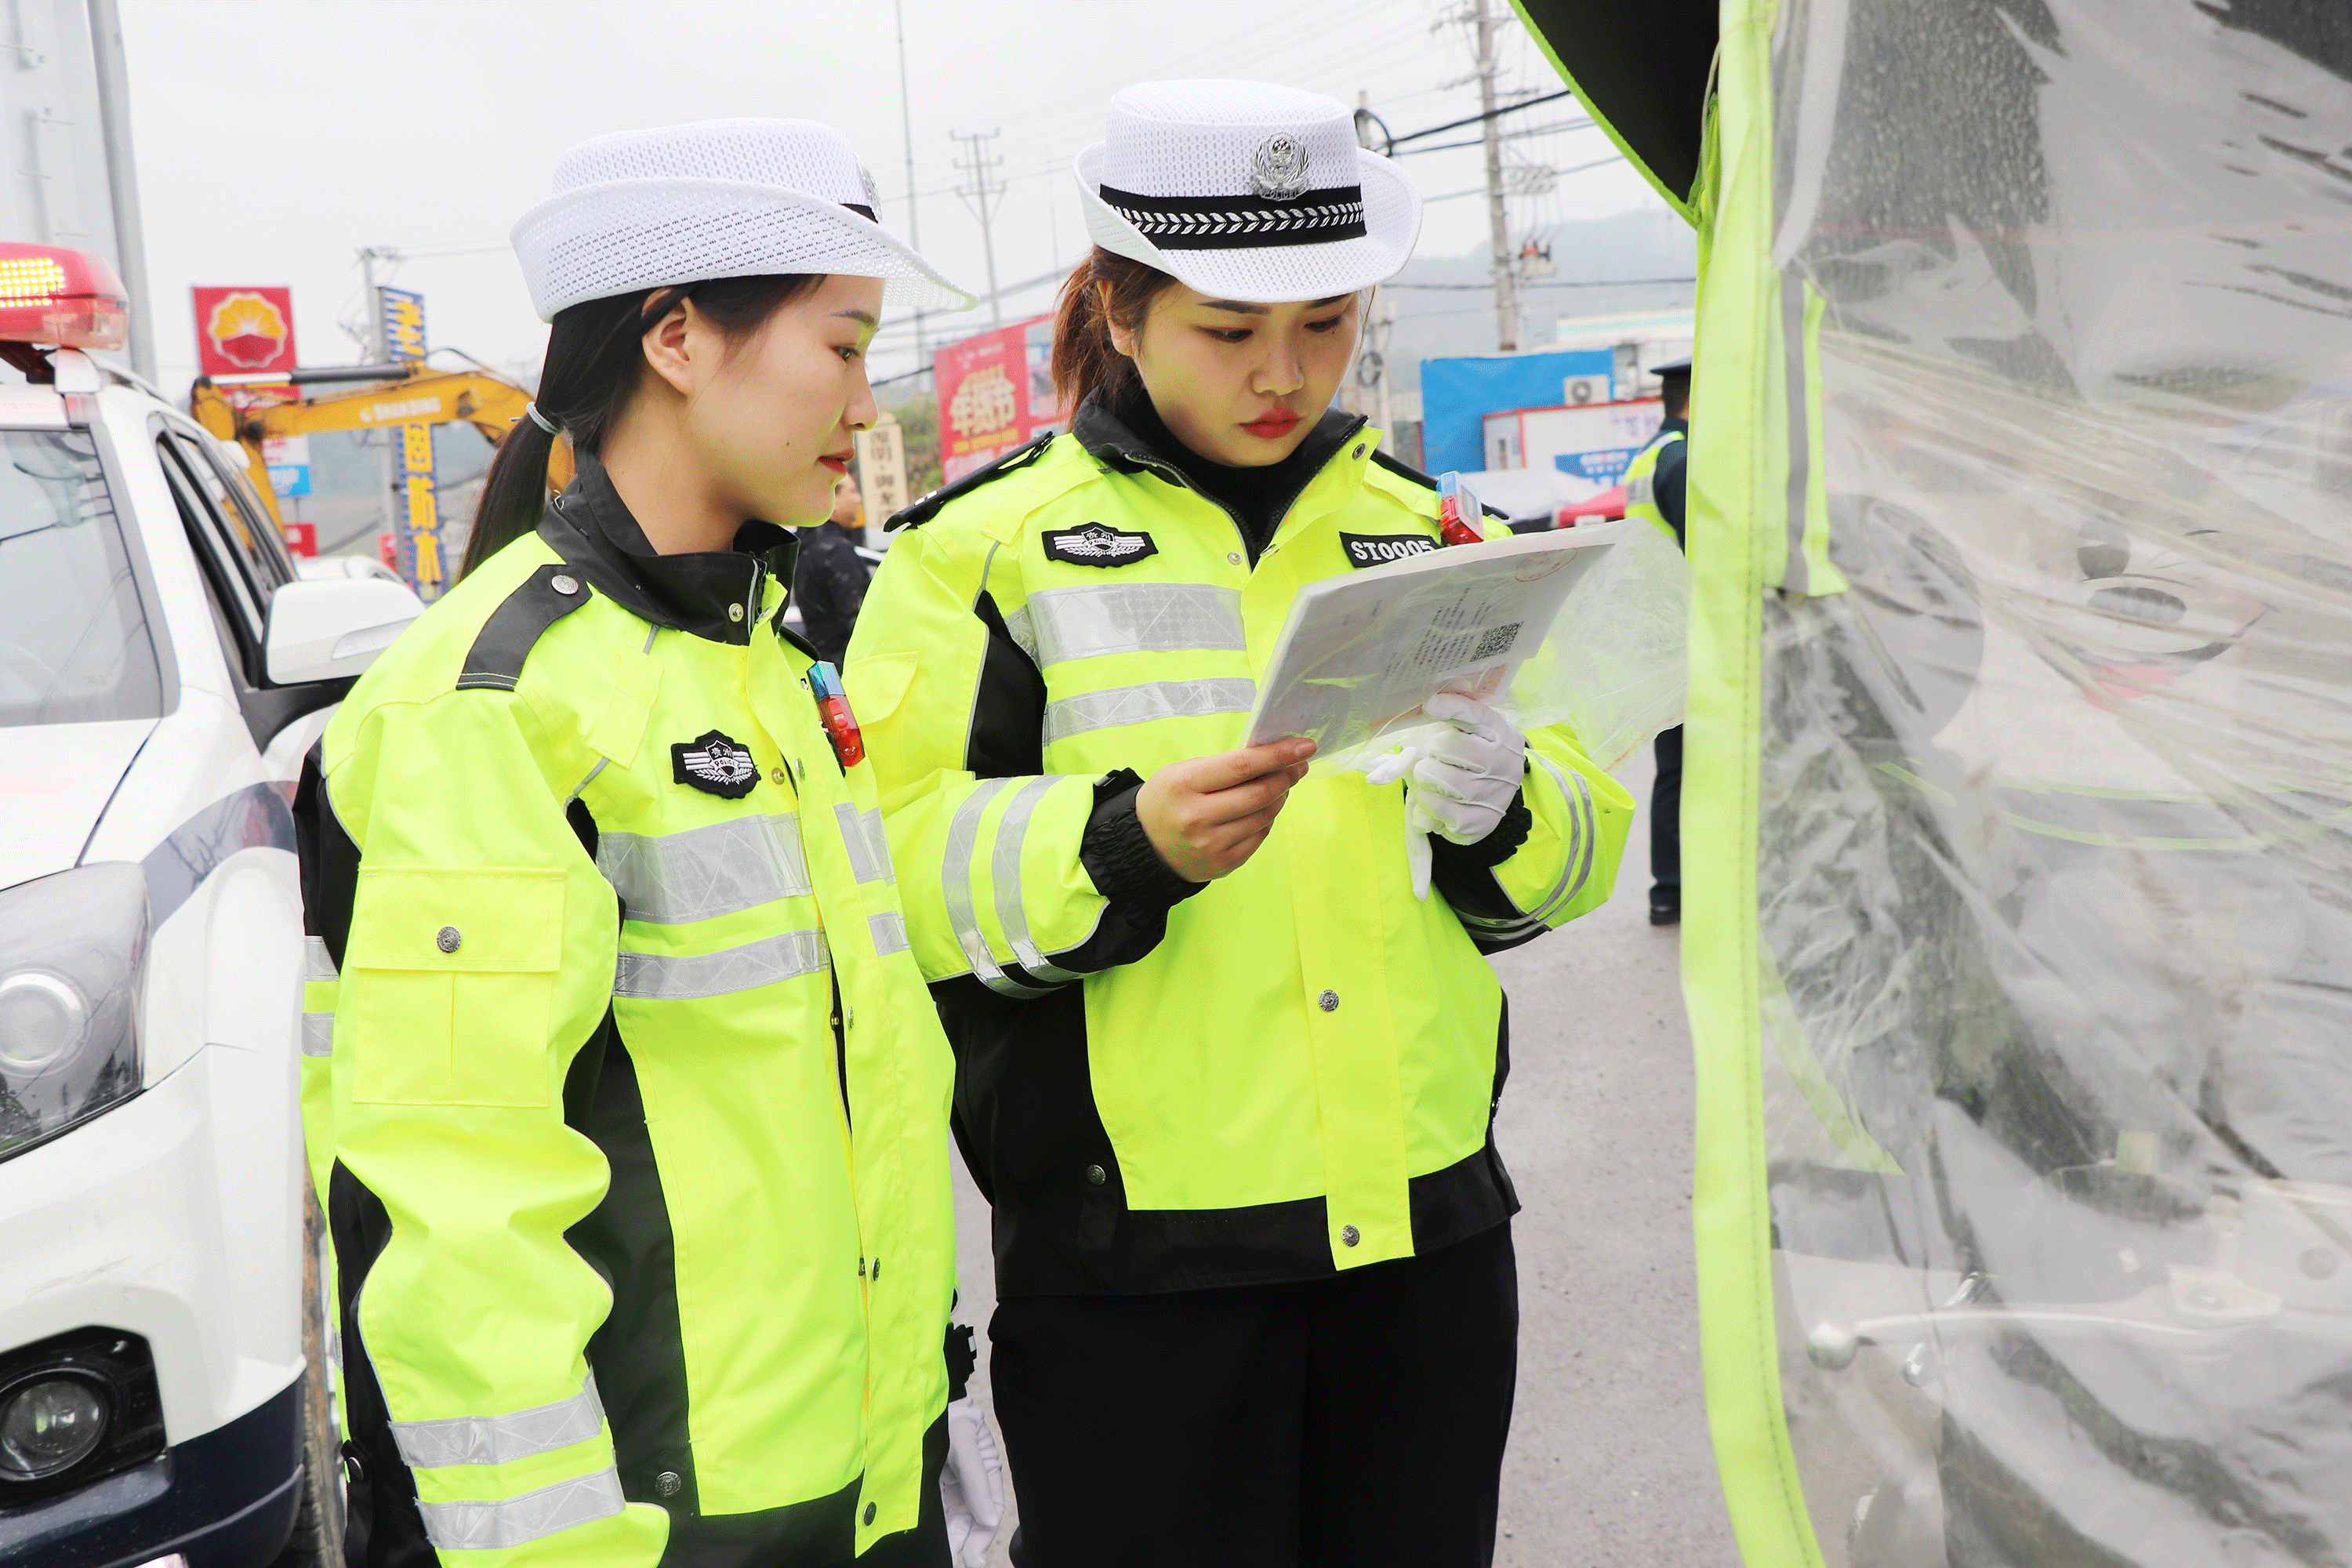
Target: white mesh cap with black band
{"type": "Point", "coordinates": [720, 198]}
{"type": "Point", "coordinates": [1246, 191]}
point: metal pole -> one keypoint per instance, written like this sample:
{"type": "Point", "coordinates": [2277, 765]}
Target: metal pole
{"type": "Point", "coordinates": [122, 177]}
{"type": "Point", "coordinates": [1388, 375]}
{"type": "Point", "coordinates": [378, 351]}
{"type": "Point", "coordinates": [906, 129]}
{"type": "Point", "coordinates": [1506, 283]}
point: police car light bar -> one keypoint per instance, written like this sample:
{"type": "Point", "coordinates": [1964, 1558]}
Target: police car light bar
{"type": "Point", "coordinates": [67, 298]}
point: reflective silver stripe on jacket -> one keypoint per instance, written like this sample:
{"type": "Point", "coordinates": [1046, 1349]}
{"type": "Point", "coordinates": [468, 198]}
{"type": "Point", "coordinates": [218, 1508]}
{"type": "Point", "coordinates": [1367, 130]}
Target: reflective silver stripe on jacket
{"type": "Point", "coordinates": [1576, 870]}
{"type": "Point", "coordinates": [316, 963]}
{"type": "Point", "coordinates": [1067, 716]}
{"type": "Point", "coordinates": [518, 1520]}
{"type": "Point", "coordinates": [666, 978]}
{"type": "Point", "coordinates": [705, 872]}
{"type": "Point", "coordinates": [869, 850]}
{"type": "Point", "coordinates": [1005, 870]}
{"type": "Point", "coordinates": [955, 887]}
{"type": "Point", "coordinates": [1088, 622]}
{"type": "Point", "coordinates": [318, 1033]}
{"type": "Point", "coordinates": [496, 1440]}
{"type": "Point", "coordinates": [889, 932]}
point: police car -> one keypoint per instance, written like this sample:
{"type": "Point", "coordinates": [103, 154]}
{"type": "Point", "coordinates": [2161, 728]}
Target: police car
{"type": "Point", "coordinates": [165, 1390]}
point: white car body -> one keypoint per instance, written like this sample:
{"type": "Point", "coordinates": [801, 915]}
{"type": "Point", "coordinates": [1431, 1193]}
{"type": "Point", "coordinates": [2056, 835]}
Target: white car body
{"type": "Point", "coordinates": [177, 1214]}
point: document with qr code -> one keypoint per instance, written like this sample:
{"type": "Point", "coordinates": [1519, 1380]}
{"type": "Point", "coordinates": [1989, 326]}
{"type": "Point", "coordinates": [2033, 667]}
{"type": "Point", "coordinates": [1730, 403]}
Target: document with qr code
{"type": "Point", "coordinates": [1361, 652]}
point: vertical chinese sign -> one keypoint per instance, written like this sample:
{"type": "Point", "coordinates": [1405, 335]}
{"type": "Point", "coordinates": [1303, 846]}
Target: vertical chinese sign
{"type": "Point", "coordinates": [996, 392]}
{"type": "Point", "coordinates": [416, 527]}
{"type": "Point", "coordinates": [881, 476]}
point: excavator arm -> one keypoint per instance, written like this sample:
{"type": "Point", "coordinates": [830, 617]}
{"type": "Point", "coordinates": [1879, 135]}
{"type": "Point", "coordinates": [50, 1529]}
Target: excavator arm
{"type": "Point", "coordinates": [421, 397]}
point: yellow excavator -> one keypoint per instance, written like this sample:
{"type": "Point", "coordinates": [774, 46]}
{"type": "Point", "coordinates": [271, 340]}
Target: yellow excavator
{"type": "Point", "coordinates": [394, 396]}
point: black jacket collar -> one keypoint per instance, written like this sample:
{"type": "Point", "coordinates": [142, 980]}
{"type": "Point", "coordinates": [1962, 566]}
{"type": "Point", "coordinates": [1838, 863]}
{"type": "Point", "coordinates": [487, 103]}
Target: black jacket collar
{"type": "Point", "coordinates": [1125, 433]}
{"type": "Point", "coordinates": [590, 528]}
{"type": "Point", "coordinates": [1103, 430]}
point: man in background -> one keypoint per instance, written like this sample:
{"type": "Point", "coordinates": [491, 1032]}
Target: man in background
{"type": "Point", "coordinates": [1655, 484]}
{"type": "Point", "coordinates": [829, 582]}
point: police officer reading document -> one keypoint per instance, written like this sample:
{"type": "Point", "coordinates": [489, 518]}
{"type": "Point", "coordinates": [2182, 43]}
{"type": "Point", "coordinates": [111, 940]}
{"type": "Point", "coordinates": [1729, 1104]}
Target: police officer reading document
{"type": "Point", "coordinates": [1228, 1084]}
{"type": "Point", "coordinates": [640, 1195]}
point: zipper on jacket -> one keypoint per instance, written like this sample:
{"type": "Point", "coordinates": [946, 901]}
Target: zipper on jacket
{"type": "Point", "coordinates": [840, 1030]}
{"type": "Point", "coordinates": [1175, 475]}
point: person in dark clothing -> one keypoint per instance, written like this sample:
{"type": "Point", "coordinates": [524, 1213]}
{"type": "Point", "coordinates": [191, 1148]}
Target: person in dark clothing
{"type": "Point", "coordinates": [829, 582]}
{"type": "Point", "coordinates": [1669, 483]}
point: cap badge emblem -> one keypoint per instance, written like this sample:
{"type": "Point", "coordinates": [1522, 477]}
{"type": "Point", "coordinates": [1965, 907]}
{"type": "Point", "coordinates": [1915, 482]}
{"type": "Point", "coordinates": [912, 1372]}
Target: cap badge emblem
{"type": "Point", "coordinates": [1278, 169]}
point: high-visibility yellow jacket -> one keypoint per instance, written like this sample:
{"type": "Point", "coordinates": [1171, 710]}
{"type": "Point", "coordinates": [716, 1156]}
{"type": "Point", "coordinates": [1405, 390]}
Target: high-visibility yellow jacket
{"type": "Point", "coordinates": [1162, 1086]}
{"type": "Point", "coordinates": [1641, 474]}
{"type": "Point", "coordinates": [639, 1106]}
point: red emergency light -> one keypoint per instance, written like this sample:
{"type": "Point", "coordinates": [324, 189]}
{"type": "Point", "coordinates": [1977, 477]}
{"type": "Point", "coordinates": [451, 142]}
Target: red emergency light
{"type": "Point", "coordinates": [67, 298]}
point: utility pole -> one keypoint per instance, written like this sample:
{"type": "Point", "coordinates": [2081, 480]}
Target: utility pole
{"type": "Point", "coordinates": [1506, 283]}
{"type": "Point", "coordinates": [378, 350]}
{"type": "Point", "coordinates": [122, 177]}
{"type": "Point", "coordinates": [906, 132]}
{"type": "Point", "coordinates": [982, 196]}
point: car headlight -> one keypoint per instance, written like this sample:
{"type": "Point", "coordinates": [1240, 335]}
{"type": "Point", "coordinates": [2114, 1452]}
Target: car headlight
{"type": "Point", "coordinates": [49, 1425]}
{"type": "Point", "coordinates": [73, 950]}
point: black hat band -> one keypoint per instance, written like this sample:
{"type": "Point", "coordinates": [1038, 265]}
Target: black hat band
{"type": "Point", "coordinates": [1242, 223]}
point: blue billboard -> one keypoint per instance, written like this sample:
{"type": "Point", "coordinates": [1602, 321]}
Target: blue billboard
{"type": "Point", "coordinates": [1457, 393]}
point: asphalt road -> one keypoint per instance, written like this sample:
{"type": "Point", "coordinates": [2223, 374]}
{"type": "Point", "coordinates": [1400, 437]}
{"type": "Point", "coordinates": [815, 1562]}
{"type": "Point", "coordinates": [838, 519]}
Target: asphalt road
{"type": "Point", "coordinates": [1609, 1465]}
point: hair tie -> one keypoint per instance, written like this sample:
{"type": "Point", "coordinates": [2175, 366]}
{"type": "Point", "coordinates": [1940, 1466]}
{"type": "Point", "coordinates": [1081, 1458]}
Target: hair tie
{"type": "Point", "coordinates": [540, 419]}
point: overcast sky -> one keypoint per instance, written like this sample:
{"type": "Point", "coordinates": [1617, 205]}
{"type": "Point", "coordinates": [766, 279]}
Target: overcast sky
{"type": "Point", "coordinates": [276, 137]}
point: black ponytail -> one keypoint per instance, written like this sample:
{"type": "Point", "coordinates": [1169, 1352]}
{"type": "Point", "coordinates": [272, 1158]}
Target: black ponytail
{"type": "Point", "coordinates": [595, 360]}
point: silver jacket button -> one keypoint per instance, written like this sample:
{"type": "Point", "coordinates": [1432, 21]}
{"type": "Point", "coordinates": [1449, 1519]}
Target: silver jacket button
{"type": "Point", "coordinates": [1350, 1235]}
{"type": "Point", "coordinates": [564, 585]}
{"type": "Point", "coordinates": [448, 939]}
{"type": "Point", "coordinates": [1096, 1175]}
{"type": "Point", "coordinates": [734, 612]}
{"type": "Point", "coordinates": [1329, 1001]}
{"type": "Point", "coordinates": [1232, 557]}
{"type": "Point", "coordinates": [669, 1483]}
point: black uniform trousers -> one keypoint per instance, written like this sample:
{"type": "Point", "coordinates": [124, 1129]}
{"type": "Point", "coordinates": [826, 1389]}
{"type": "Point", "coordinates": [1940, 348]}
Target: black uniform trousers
{"type": "Point", "coordinates": [1355, 1420]}
{"type": "Point", "coordinates": [1666, 820]}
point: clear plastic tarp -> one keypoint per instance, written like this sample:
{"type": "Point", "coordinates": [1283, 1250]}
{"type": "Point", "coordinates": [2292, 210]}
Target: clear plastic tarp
{"type": "Point", "coordinates": [2055, 831]}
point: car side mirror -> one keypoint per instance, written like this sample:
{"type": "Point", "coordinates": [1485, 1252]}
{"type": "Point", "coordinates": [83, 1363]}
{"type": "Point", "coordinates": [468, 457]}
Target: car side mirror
{"type": "Point", "coordinates": [329, 629]}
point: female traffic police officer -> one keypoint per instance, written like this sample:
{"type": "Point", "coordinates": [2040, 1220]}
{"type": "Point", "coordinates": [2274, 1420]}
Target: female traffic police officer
{"type": "Point", "coordinates": [639, 1192]}
{"type": "Point", "coordinates": [1258, 1302]}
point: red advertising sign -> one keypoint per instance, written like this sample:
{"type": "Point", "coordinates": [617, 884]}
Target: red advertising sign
{"type": "Point", "coordinates": [301, 537]}
{"type": "Point", "coordinates": [244, 331]}
{"type": "Point", "coordinates": [996, 391]}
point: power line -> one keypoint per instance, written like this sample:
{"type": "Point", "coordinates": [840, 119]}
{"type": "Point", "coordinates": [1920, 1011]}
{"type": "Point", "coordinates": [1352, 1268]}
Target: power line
{"type": "Point", "coordinates": [1487, 190]}
{"type": "Point", "coordinates": [1508, 136]}
{"type": "Point", "coordinates": [1487, 114]}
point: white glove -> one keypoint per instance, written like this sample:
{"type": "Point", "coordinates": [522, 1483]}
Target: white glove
{"type": "Point", "coordinates": [1459, 784]}
{"type": "Point", "coordinates": [971, 1484]}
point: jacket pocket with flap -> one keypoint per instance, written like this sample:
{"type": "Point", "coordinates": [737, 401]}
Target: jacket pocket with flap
{"type": "Point", "coordinates": [449, 983]}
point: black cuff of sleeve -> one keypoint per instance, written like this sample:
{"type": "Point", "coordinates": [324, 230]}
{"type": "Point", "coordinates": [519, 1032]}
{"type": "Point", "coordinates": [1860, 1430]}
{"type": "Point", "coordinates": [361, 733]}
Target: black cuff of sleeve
{"type": "Point", "coordinates": [1492, 850]}
{"type": "Point", "coordinates": [1119, 855]}
{"type": "Point", "coordinates": [963, 1359]}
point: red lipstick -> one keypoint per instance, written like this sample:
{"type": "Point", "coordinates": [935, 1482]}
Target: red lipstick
{"type": "Point", "coordinates": [1273, 425]}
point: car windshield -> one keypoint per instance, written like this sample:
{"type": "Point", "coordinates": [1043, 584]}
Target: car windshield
{"type": "Point", "coordinates": [74, 643]}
